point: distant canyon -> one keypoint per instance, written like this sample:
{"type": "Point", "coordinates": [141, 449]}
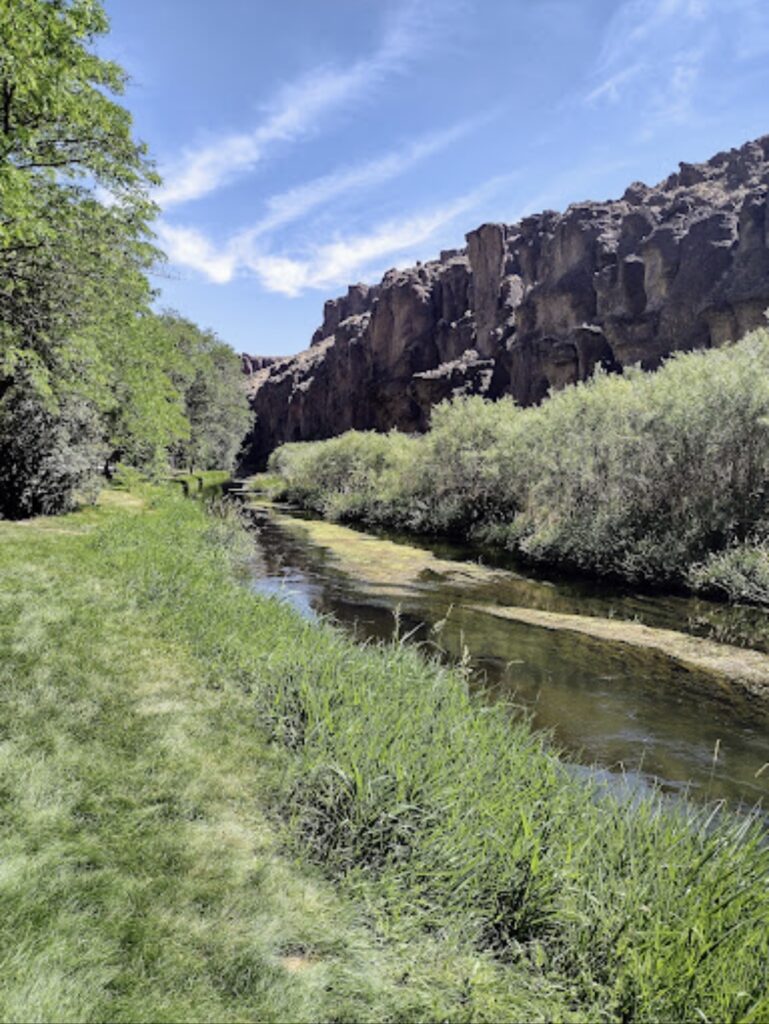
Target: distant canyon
{"type": "Point", "coordinates": [533, 306]}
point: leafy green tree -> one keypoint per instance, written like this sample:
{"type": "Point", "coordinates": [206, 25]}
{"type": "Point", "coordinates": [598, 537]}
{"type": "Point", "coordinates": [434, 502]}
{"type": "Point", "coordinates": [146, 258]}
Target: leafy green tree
{"type": "Point", "coordinates": [142, 403]}
{"type": "Point", "coordinates": [62, 252]}
{"type": "Point", "coordinates": [48, 451]}
{"type": "Point", "coordinates": [72, 260]}
{"type": "Point", "coordinates": [58, 121]}
{"type": "Point", "coordinates": [211, 380]}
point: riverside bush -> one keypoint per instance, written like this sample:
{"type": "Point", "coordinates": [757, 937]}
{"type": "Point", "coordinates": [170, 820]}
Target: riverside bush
{"type": "Point", "coordinates": [359, 474]}
{"type": "Point", "coordinates": [637, 475]}
{"type": "Point", "coordinates": [741, 573]}
{"type": "Point", "coordinates": [463, 475]}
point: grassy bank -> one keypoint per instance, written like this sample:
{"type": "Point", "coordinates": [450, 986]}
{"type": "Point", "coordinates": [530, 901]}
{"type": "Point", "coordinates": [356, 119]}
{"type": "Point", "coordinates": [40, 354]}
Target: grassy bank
{"type": "Point", "coordinates": [219, 811]}
{"type": "Point", "coordinates": [205, 484]}
{"type": "Point", "coordinates": [141, 875]}
{"type": "Point", "coordinates": [658, 477]}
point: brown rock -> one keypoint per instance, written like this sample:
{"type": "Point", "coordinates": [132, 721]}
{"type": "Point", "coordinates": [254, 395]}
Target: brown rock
{"type": "Point", "coordinates": [533, 306]}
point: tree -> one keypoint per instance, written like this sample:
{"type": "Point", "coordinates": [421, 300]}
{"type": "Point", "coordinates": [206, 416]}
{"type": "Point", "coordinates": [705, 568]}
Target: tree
{"type": "Point", "coordinates": [72, 259]}
{"type": "Point", "coordinates": [88, 374]}
{"type": "Point", "coordinates": [211, 380]}
{"type": "Point", "coordinates": [57, 120]}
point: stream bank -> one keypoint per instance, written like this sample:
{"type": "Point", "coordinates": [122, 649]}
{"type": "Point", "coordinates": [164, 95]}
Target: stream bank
{"type": "Point", "coordinates": [604, 669]}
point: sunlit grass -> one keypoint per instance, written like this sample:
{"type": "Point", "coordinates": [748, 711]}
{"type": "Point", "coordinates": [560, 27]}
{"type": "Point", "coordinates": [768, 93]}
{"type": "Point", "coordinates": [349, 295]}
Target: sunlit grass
{"type": "Point", "coordinates": [139, 876]}
{"type": "Point", "coordinates": [182, 760]}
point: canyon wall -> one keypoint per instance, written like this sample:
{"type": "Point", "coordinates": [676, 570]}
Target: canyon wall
{"type": "Point", "coordinates": [531, 306]}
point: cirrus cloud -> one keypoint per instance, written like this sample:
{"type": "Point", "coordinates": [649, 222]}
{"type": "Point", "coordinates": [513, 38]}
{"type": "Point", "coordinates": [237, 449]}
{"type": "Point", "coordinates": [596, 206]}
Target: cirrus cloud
{"type": "Point", "coordinates": [318, 265]}
{"type": "Point", "coordinates": [298, 108]}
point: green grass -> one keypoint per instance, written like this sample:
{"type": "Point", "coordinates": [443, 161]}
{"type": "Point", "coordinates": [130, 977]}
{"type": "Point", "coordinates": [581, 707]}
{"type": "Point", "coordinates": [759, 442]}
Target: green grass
{"type": "Point", "coordinates": [215, 810]}
{"type": "Point", "coordinates": [206, 483]}
{"type": "Point", "coordinates": [140, 879]}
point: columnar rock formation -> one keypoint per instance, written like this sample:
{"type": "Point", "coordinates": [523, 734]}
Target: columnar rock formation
{"type": "Point", "coordinates": [532, 306]}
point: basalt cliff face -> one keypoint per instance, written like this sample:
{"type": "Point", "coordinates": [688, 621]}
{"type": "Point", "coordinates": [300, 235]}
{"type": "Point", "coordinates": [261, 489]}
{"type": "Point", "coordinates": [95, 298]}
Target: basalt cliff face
{"type": "Point", "coordinates": [532, 306]}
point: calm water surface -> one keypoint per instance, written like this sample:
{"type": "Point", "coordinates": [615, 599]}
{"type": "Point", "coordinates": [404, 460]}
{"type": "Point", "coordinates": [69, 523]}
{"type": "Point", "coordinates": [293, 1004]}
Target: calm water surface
{"type": "Point", "coordinates": [625, 709]}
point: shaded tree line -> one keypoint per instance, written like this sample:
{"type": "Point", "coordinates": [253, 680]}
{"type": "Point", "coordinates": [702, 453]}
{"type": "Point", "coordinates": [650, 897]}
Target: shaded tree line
{"type": "Point", "coordinates": [89, 374]}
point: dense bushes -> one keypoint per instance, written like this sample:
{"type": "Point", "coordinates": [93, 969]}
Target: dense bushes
{"type": "Point", "coordinates": [641, 475]}
{"type": "Point", "coordinates": [741, 573]}
{"type": "Point", "coordinates": [46, 455]}
{"type": "Point", "coordinates": [357, 475]}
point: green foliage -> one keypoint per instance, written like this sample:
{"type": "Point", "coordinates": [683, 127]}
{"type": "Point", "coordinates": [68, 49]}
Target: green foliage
{"type": "Point", "coordinates": [61, 251]}
{"type": "Point", "coordinates": [142, 405]}
{"type": "Point", "coordinates": [108, 380]}
{"type": "Point", "coordinates": [71, 267]}
{"type": "Point", "coordinates": [269, 484]}
{"type": "Point", "coordinates": [461, 477]}
{"type": "Point", "coordinates": [638, 475]}
{"type": "Point", "coordinates": [49, 455]}
{"type": "Point", "coordinates": [209, 375]}
{"type": "Point", "coordinates": [359, 474]}
{"type": "Point", "coordinates": [642, 475]}
{"type": "Point", "coordinates": [741, 573]}
{"type": "Point", "coordinates": [57, 118]}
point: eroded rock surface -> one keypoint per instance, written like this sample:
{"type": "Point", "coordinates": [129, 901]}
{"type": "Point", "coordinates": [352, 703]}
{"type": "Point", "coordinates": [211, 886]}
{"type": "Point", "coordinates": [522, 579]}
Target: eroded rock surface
{"type": "Point", "coordinates": [532, 306]}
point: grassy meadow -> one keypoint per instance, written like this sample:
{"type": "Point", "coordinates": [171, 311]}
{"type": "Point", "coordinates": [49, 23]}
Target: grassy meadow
{"type": "Point", "coordinates": [216, 810]}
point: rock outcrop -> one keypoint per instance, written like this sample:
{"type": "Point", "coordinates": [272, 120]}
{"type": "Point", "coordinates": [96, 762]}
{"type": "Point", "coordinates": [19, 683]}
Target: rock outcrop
{"type": "Point", "coordinates": [251, 364]}
{"type": "Point", "coordinates": [532, 306]}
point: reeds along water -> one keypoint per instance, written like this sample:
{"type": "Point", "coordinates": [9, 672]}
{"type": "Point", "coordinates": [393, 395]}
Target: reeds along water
{"type": "Point", "coordinates": [438, 812]}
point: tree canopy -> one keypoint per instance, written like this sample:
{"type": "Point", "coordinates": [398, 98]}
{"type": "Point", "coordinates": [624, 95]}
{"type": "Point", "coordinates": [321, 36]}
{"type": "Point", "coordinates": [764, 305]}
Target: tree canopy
{"type": "Point", "coordinates": [87, 371]}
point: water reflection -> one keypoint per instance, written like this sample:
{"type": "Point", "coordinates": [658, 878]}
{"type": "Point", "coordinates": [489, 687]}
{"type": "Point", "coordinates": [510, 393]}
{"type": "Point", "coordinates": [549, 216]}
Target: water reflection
{"type": "Point", "coordinates": [629, 709]}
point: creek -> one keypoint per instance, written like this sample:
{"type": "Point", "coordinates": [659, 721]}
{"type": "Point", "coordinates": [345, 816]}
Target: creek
{"type": "Point", "coordinates": [621, 707]}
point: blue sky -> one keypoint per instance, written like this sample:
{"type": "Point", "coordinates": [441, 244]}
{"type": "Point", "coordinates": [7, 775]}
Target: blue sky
{"type": "Point", "coordinates": [308, 144]}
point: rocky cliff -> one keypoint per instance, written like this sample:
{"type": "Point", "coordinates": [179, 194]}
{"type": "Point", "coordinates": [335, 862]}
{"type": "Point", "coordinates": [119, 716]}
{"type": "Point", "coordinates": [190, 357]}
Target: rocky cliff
{"type": "Point", "coordinates": [532, 306]}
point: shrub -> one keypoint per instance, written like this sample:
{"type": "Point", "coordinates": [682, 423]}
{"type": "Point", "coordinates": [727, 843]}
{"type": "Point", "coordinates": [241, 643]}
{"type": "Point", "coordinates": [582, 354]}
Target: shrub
{"type": "Point", "coordinates": [637, 475]}
{"type": "Point", "coordinates": [741, 574]}
{"type": "Point", "coordinates": [463, 474]}
{"type": "Point", "coordinates": [644, 474]}
{"type": "Point", "coordinates": [49, 457]}
{"type": "Point", "coordinates": [358, 475]}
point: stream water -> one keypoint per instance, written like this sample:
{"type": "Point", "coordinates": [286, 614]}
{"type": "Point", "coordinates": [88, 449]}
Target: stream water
{"type": "Point", "coordinates": [624, 709]}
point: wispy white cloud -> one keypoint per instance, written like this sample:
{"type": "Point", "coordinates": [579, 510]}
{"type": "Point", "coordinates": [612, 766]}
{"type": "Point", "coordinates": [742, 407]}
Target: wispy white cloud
{"type": "Point", "coordinates": [641, 48]}
{"type": "Point", "coordinates": [296, 111]}
{"type": "Point", "coordinates": [201, 171]}
{"type": "Point", "coordinates": [346, 258]}
{"type": "Point", "coordinates": [188, 247]}
{"type": "Point", "coordinates": [672, 101]}
{"type": "Point", "coordinates": [611, 88]}
{"type": "Point", "coordinates": [635, 22]}
{"type": "Point", "coordinates": [651, 60]}
{"type": "Point", "coordinates": [322, 264]}
{"type": "Point", "coordinates": [297, 202]}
